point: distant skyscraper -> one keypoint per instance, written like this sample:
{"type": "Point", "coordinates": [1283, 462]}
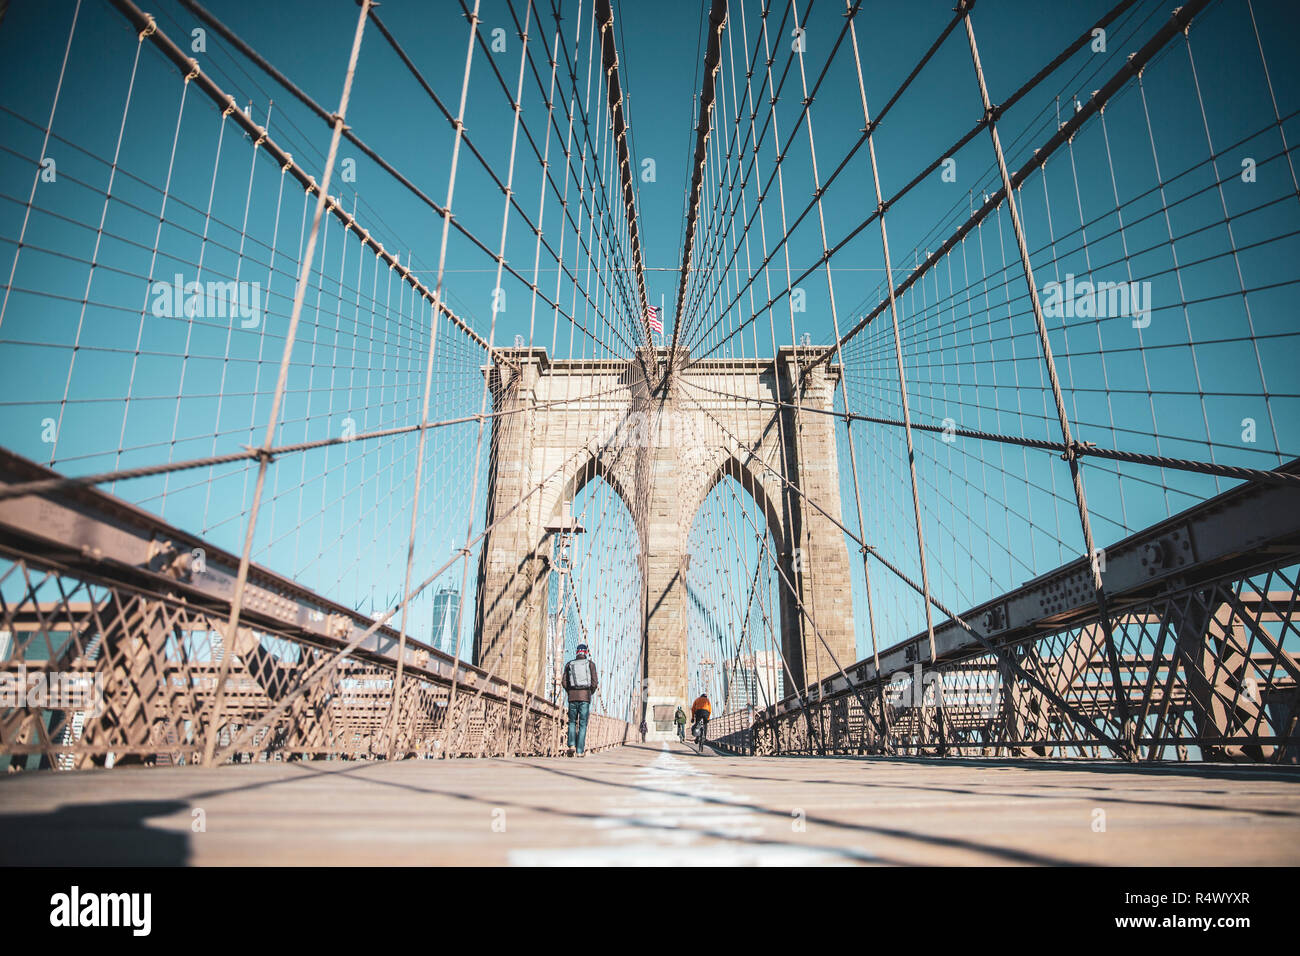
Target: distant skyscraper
{"type": "Point", "coordinates": [740, 683]}
{"type": "Point", "coordinates": [767, 669]}
{"type": "Point", "coordinates": [752, 680]}
{"type": "Point", "coordinates": [446, 606]}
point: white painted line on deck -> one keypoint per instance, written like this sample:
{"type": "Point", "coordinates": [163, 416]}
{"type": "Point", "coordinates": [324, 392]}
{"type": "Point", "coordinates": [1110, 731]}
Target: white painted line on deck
{"type": "Point", "coordinates": [680, 815]}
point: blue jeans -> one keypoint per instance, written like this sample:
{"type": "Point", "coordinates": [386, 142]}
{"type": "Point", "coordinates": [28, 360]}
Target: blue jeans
{"type": "Point", "coordinates": [578, 711]}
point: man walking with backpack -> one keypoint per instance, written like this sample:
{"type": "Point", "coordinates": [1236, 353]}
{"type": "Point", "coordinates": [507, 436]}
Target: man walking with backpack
{"type": "Point", "coordinates": [580, 683]}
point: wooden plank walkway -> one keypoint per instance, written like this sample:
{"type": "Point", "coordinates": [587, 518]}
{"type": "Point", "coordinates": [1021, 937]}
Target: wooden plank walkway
{"type": "Point", "coordinates": [656, 804]}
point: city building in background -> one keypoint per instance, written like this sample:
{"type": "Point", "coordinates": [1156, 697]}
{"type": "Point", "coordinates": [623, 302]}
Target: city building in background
{"type": "Point", "coordinates": [751, 680]}
{"type": "Point", "coordinates": [446, 605]}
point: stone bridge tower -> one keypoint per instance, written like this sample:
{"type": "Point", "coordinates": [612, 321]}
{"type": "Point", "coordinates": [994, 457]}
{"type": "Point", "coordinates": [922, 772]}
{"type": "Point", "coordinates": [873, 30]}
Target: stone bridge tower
{"type": "Point", "coordinates": [662, 450]}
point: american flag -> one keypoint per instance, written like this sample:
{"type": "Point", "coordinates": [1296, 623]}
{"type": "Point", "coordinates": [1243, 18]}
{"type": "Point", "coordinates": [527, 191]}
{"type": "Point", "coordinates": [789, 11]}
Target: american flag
{"type": "Point", "coordinates": [656, 324]}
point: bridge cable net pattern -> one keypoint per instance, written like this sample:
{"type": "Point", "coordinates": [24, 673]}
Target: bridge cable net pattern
{"type": "Point", "coordinates": [1053, 405]}
{"type": "Point", "coordinates": [261, 407]}
{"type": "Point", "coordinates": [1018, 457]}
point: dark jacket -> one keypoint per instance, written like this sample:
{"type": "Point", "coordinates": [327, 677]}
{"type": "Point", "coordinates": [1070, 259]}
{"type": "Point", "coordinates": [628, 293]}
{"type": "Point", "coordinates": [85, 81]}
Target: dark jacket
{"type": "Point", "coordinates": [579, 694]}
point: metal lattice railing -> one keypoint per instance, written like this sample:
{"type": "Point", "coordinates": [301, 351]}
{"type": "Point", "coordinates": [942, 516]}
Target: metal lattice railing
{"type": "Point", "coordinates": [101, 675]}
{"type": "Point", "coordinates": [1210, 672]}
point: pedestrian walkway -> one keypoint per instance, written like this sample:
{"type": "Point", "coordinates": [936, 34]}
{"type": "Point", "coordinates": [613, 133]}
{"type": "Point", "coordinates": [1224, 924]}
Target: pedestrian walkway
{"type": "Point", "coordinates": [656, 804]}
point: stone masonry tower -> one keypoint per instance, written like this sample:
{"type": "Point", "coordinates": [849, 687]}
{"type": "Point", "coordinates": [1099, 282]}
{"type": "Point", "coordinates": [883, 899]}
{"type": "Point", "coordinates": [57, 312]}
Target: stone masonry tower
{"type": "Point", "coordinates": [662, 442]}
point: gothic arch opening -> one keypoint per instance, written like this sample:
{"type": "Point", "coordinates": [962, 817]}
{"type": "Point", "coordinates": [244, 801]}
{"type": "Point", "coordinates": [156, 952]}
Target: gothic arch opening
{"type": "Point", "coordinates": [594, 589]}
{"type": "Point", "coordinates": [595, 467]}
{"type": "Point", "coordinates": [737, 602]}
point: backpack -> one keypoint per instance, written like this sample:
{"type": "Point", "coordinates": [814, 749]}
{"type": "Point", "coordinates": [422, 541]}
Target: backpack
{"type": "Point", "coordinates": [580, 676]}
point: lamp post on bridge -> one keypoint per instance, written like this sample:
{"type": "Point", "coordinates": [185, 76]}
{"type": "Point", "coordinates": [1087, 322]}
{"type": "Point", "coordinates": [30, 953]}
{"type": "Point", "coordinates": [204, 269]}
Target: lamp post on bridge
{"type": "Point", "coordinates": [564, 530]}
{"type": "Point", "coordinates": [706, 665]}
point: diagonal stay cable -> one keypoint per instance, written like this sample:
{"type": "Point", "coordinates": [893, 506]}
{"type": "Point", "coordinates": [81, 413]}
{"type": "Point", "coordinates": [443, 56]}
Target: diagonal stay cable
{"type": "Point", "coordinates": [328, 666]}
{"type": "Point", "coordinates": [1014, 665]}
{"type": "Point", "coordinates": [1178, 21]}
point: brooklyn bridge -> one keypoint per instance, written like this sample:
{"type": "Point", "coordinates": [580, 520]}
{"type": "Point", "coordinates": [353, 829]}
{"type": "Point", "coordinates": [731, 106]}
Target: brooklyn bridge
{"type": "Point", "coordinates": [919, 384]}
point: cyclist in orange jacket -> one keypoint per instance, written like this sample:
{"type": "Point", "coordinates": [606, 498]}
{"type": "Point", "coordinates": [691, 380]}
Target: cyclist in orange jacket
{"type": "Point", "coordinates": [701, 711]}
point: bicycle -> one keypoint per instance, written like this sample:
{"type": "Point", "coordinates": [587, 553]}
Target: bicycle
{"type": "Point", "coordinates": [699, 732]}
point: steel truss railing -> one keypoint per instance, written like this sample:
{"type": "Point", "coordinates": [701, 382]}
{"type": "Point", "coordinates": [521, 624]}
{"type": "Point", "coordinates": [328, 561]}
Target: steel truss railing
{"type": "Point", "coordinates": [112, 676]}
{"type": "Point", "coordinates": [112, 648]}
{"type": "Point", "coordinates": [1207, 645]}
